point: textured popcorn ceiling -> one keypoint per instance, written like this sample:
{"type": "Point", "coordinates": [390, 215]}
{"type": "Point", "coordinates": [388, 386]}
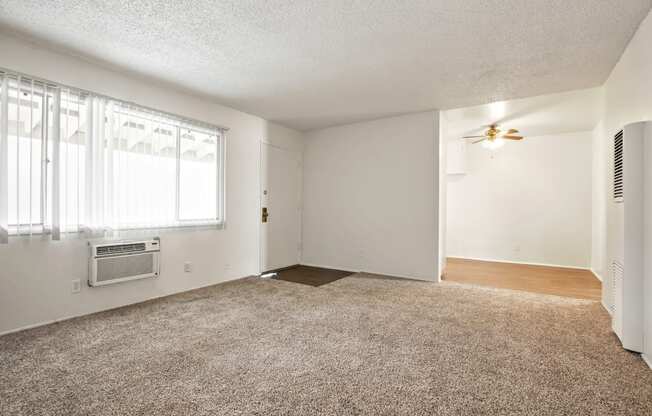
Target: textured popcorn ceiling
{"type": "Point", "coordinates": [310, 64]}
{"type": "Point", "coordinates": [566, 112]}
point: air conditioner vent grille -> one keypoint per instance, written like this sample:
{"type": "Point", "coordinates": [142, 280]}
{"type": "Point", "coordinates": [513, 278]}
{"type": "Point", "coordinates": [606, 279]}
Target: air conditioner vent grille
{"type": "Point", "coordinates": [120, 249]}
{"type": "Point", "coordinates": [618, 167]}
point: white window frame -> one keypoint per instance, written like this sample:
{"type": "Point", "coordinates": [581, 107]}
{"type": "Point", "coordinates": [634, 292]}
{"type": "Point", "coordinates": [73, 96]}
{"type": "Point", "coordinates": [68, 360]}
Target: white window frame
{"type": "Point", "coordinates": [178, 122]}
{"type": "Point", "coordinates": [178, 125]}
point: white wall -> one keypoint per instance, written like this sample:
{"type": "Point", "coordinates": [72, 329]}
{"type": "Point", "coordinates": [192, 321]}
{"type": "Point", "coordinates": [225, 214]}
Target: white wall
{"type": "Point", "coordinates": [529, 201]}
{"type": "Point", "coordinates": [598, 202]}
{"type": "Point", "coordinates": [370, 196]}
{"type": "Point", "coordinates": [443, 193]}
{"type": "Point", "coordinates": [284, 137]}
{"type": "Point", "coordinates": [628, 98]}
{"type": "Point", "coordinates": [35, 275]}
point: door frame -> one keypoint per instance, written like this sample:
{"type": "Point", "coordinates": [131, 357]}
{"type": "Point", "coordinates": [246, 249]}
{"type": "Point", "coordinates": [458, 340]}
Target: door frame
{"type": "Point", "coordinates": [264, 142]}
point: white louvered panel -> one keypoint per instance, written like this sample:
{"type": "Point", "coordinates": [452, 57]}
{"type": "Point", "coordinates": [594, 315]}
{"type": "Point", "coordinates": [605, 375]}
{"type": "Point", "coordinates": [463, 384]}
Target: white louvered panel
{"type": "Point", "coordinates": [117, 262]}
{"type": "Point", "coordinates": [627, 232]}
{"type": "Point", "coordinates": [121, 267]}
{"type": "Point", "coordinates": [120, 249]}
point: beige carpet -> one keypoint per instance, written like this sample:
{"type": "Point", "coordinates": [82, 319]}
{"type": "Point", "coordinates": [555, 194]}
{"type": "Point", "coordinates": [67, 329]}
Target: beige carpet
{"type": "Point", "coordinates": [362, 345]}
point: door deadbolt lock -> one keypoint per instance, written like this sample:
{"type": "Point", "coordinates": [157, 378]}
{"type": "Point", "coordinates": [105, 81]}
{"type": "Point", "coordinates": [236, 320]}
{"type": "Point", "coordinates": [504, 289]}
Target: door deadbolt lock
{"type": "Point", "coordinates": [265, 214]}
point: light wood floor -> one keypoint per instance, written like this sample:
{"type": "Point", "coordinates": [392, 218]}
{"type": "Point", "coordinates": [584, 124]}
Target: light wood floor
{"type": "Point", "coordinates": [574, 283]}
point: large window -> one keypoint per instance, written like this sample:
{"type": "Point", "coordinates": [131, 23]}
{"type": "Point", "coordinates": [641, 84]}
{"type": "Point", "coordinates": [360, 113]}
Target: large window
{"type": "Point", "coordinates": [72, 161]}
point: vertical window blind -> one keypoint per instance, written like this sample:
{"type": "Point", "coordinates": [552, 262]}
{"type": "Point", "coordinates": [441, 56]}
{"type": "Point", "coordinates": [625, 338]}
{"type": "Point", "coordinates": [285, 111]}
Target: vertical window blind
{"type": "Point", "coordinates": [76, 162]}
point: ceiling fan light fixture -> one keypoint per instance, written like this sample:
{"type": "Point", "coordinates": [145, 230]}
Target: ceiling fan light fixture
{"type": "Point", "coordinates": [493, 144]}
{"type": "Point", "coordinates": [494, 138]}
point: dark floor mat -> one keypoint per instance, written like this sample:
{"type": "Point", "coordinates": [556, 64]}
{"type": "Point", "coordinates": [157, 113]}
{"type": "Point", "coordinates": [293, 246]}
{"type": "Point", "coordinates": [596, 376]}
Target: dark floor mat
{"type": "Point", "coordinates": [313, 276]}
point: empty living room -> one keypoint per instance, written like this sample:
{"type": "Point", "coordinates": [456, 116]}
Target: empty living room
{"type": "Point", "coordinates": [256, 207]}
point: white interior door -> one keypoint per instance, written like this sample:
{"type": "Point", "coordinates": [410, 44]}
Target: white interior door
{"type": "Point", "coordinates": [281, 198]}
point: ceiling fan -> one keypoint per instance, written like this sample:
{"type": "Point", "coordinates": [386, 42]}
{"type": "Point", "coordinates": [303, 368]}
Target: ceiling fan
{"type": "Point", "coordinates": [494, 138]}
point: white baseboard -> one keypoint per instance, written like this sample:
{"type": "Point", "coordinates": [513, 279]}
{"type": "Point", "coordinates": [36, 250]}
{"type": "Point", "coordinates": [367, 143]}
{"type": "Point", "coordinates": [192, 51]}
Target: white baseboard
{"type": "Point", "coordinates": [43, 323]}
{"type": "Point", "coordinates": [67, 318]}
{"type": "Point", "coordinates": [520, 262]}
{"type": "Point", "coordinates": [325, 266]}
{"type": "Point", "coordinates": [351, 270]}
{"type": "Point", "coordinates": [402, 276]}
{"type": "Point", "coordinates": [647, 360]}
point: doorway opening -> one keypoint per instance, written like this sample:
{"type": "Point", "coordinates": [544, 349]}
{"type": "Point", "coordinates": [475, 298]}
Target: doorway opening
{"type": "Point", "coordinates": [518, 195]}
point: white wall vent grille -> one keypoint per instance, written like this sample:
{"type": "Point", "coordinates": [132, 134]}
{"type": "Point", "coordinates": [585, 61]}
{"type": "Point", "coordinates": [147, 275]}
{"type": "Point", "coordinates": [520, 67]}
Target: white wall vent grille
{"type": "Point", "coordinates": [618, 167]}
{"type": "Point", "coordinates": [120, 249]}
{"type": "Point", "coordinates": [115, 262]}
{"type": "Point", "coordinates": [628, 232]}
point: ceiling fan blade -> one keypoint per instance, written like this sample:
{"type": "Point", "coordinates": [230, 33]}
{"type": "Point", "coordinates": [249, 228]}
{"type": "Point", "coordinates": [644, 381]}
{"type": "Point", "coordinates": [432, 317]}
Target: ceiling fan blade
{"type": "Point", "coordinates": [472, 137]}
{"type": "Point", "coordinates": [509, 137]}
{"type": "Point", "coordinates": [478, 141]}
{"type": "Point", "coordinates": [511, 131]}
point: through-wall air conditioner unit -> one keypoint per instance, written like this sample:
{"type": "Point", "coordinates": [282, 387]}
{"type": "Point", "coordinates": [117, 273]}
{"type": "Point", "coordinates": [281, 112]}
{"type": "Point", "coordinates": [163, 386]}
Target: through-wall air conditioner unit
{"type": "Point", "coordinates": [121, 261]}
{"type": "Point", "coordinates": [628, 234]}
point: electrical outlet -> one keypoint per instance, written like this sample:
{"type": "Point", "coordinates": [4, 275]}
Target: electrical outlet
{"type": "Point", "coordinates": [227, 267]}
{"type": "Point", "coordinates": [76, 286]}
{"type": "Point", "coordinates": [187, 267]}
